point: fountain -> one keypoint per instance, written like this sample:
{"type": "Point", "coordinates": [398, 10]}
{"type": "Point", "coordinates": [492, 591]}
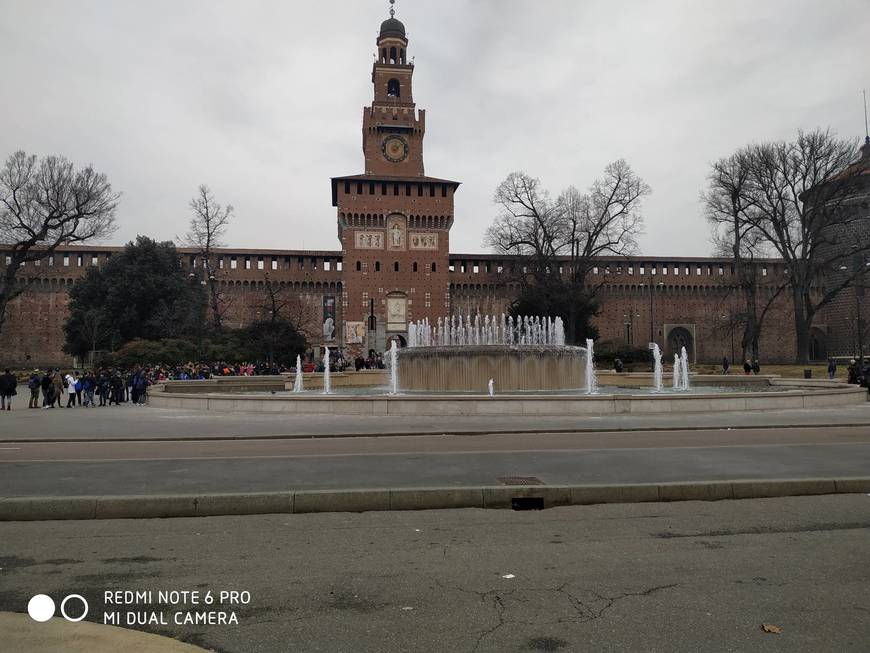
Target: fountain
{"type": "Point", "coordinates": [393, 354]}
{"type": "Point", "coordinates": [591, 379]}
{"type": "Point", "coordinates": [657, 368]}
{"type": "Point", "coordinates": [681, 370]}
{"type": "Point", "coordinates": [297, 384]}
{"type": "Point", "coordinates": [327, 385]}
{"type": "Point", "coordinates": [461, 353]}
{"type": "Point", "coordinates": [489, 331]}
{"type": "Point", "coordinates": [684, 369]}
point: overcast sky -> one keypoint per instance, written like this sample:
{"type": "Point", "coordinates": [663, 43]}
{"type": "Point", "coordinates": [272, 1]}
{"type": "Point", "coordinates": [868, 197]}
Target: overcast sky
{"type": "Point", "coordinates": [263, 100]}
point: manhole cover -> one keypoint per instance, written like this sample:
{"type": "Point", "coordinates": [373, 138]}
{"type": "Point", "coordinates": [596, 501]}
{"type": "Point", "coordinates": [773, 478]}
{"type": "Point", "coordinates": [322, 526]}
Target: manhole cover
{"type": "Point", "coordinates": [520, 480]}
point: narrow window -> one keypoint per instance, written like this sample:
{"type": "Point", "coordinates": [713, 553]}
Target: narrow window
{"type": "Point", "coordinates": [415, 266]}
{"type": "Point", "coordinates": [396, 266]}
{"type": "Point", "coordinates": [377, 266]}
{"type": "Point", "coordinates": [358, 266]}
{"type": "Point", "coordinates": [434, 267]}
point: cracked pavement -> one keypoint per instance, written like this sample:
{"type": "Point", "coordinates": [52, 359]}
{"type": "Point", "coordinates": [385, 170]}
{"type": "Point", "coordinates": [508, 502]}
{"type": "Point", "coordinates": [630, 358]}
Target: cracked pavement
{"type": "Point", "coordinates": [644, 577]}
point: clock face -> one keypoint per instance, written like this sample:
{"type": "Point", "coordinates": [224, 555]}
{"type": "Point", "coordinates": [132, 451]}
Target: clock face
{"type": "Point", "coordinates": [395, 148]}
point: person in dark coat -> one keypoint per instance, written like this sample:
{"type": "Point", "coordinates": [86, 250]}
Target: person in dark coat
{"type": "Point", "coordinates": [47, 390]}
{"type": "Point", "coordinates": [832, 368]}
{"type": "Point", "coordinates": [747, 368]}
{"type": "Point", "coordinates": [34, 384]}
{"type": "Point", "coordinates": [852, 372]}
{"type": "Point", "coordinates": [756, 368]}
{"type": "Point", "coordinates": [726, 366]}
{"type": "Point", "coordinates": [8, 383]}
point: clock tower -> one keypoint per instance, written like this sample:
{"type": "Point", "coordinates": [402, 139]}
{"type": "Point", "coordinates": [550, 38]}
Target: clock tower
{"type": "Point", "coordinates": [392, 128]}
{"type": "Point", "coordinates": [393, 221]}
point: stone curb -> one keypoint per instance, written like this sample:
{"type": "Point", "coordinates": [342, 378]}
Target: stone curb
{"type": "Point", "coordinates": [311, 501]}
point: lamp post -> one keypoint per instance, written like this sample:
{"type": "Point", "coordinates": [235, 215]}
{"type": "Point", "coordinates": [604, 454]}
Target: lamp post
{"type": "Point", "coordinates": [630, 324]}
{"type": "Point", "coordinates": [731, 329]}
{"type": "Point", "coordinates": [652, 309]}
{"type": "Point", "coordinates": [860, 265]}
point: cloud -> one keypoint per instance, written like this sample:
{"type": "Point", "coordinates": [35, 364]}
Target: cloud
{"type": "Point", "coordinates": [263, 100]}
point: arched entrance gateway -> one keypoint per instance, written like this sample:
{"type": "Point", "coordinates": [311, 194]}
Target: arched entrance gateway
{"type": "Point", "coordinates": [679, 337]}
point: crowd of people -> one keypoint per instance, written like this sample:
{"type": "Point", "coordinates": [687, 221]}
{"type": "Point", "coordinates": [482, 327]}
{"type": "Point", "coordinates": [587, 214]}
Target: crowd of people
{"type": "Point", "coordinates": [114, 386]}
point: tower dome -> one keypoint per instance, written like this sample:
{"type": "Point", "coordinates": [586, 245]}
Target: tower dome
{"type": "Point", "coordinates": [392, 27]}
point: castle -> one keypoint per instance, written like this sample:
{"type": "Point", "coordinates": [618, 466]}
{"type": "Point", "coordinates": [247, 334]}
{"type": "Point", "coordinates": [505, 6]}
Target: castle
{"type": "Point", "coordinates": [394, 264]}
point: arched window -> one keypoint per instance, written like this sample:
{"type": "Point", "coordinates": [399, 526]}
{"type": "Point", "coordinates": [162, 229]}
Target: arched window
{"type": "Point", "coordinates": [396, 266]}
{"type": "Point", "coordinates": [393, 88]}
{"type": "Point", "coordinates": [393, 56]}
{"type": "Point", "coordinates": [358, 266]}
{"type": "Point", "coordinates": [377, 266]}
{"type": "Point", "coordinates": [415, 266]}
{"type": "Point", "coordinates": [433, 267]}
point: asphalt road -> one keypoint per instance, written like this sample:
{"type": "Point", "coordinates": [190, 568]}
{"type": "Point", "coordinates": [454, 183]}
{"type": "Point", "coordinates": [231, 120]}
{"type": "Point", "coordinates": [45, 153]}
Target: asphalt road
{"type": "Point", "coordinates": [644, 577]}
{"type": "Point", "coordinates": [137, 423]}
{"type": "Point", "coordinates": [251, 465]}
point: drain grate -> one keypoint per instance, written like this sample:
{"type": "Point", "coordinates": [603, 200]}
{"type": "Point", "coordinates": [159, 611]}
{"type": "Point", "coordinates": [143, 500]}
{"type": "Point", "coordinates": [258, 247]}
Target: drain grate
{"type": "Point", "coordinates": [519, 480]}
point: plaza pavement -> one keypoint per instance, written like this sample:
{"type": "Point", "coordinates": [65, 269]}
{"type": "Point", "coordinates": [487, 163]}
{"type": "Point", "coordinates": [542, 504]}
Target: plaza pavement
{"type": "Point", "coordinates": [146, 423]}
{"type": "Point", "coordinates": [675, 577]}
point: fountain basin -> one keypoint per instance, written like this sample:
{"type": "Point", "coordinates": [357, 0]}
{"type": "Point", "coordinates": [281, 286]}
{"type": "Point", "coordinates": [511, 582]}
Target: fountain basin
{"type": "Point", "coordinates": [513, 368]}
{"type": "Point", "coordinates": [785, 394]}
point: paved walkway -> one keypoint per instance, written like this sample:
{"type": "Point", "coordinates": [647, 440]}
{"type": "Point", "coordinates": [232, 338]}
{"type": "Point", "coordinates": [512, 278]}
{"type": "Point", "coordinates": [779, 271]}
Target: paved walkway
{"type": "Point", "coordinates": [675, 577]}
{"type": "Point", "coordinates": [22, 634]}
{"type": "Point", "coordinates": [137, 423]}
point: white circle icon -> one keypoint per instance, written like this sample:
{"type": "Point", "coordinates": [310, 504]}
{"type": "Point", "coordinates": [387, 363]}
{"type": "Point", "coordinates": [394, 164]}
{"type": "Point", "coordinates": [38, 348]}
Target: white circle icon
{"type": "Point", "coordinates": [40, 608]}
{"type": "Point", "coordinates": [63, 607]}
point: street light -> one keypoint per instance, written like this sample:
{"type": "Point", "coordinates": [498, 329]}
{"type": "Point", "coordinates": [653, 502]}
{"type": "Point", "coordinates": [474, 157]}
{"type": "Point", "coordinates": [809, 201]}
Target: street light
{"type": "Point", "coordinates": [731, 329]}
{"type": "Point", "coordinates": [652, 307]}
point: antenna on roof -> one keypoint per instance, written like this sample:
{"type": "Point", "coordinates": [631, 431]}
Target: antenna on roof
{"type": "Point", "coordinates": [866, 130]}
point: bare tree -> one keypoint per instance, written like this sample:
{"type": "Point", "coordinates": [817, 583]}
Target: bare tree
{"type": "Point", "coordinates": [207, 227]}
{"type": "Point", "coordinates": [732, 215]}
{"type": "Point", "coordinates": [806, 208]}
{"type": "Point", "coordinates": [280, 303]}
{"type": "Point", "coordinates": [558, 240]}
{"type": "Point", "coordinates": [45, 204]}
